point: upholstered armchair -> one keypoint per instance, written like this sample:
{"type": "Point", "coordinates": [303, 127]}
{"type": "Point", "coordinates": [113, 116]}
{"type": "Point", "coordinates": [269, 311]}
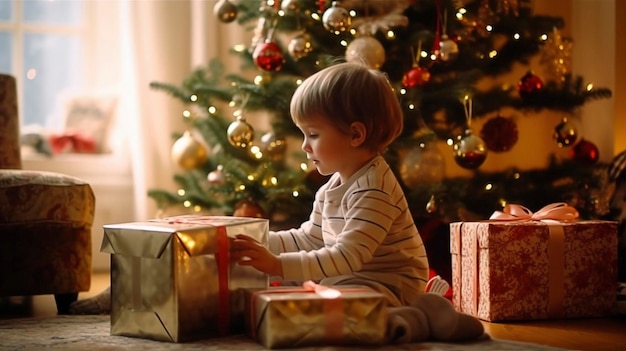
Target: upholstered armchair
{"type": "Point", "coordinates": [45, 221]}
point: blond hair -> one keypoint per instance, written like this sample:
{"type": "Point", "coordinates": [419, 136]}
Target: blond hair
{"type": "Point", "coordinates": [351, 92]}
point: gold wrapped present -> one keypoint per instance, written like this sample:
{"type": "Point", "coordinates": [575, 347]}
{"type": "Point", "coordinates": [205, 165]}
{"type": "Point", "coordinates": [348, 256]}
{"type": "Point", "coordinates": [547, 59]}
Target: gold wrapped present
{"type": "Point", "coordinates": [172, 279]}
{"type": "Point", "coordinates": [525, 266]}
{"type": "Point", "coordinates": [281, 317]}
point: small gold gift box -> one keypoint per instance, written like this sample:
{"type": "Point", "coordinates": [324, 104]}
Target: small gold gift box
{"type": "Point", "coordinates": [281, 317]}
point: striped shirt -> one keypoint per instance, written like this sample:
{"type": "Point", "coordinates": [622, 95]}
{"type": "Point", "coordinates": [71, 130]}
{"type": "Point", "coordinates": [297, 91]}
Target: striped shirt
{"type": "Point", "coordinates": [359, 232]}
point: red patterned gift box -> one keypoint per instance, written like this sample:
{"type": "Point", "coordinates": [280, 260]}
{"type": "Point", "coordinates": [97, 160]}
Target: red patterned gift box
{"type": "Point", "coordinates": [529, 267]}
{"type": "Point", "coordinates": [281, 317]}
{"type": "Point", "coordinates": [172, 278]}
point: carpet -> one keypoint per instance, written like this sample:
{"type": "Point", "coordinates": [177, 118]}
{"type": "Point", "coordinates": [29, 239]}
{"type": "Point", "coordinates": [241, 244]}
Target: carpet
{"type": "Point", "coordinates": [91, 333]}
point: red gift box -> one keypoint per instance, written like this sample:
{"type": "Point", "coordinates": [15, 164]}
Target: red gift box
{"type": "Point", "coordinates": [528, 267]}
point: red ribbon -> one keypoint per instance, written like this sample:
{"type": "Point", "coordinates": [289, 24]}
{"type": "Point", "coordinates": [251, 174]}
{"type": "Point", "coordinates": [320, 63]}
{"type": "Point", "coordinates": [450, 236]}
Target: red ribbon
{"type": "Point", "coordinates": [222, 258]}
{"type": "Point", "coordinates": [558, 211]}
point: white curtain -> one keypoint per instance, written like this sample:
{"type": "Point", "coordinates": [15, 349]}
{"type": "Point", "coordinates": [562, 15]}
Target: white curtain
{"type": "Point", "coordinates": [163, 41]}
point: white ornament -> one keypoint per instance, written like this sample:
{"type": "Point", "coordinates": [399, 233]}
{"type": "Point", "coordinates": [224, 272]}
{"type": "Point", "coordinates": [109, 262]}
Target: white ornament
{"type": "Point", "coordinates": [366, 50]}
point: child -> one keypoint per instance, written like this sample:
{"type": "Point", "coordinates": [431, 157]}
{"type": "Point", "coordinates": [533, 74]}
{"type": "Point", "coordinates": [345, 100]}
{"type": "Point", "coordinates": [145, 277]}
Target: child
{"type": "Point", "coordinates": [360, 230]}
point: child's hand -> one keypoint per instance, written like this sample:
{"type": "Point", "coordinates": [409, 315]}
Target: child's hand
{"type": "Point", "coordinates": [248, 252]}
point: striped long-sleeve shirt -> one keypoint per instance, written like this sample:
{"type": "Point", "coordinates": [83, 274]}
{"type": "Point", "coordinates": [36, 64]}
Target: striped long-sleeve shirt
{"type": "Point", "coordinates": [359, 231]}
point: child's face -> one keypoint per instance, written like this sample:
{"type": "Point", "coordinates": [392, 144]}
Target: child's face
{"type": "Point", "coordinates": [326, 146]}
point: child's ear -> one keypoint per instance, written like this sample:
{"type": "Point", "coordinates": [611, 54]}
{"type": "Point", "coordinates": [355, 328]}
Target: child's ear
{"type": "Point", "coordinates": [359, 132]}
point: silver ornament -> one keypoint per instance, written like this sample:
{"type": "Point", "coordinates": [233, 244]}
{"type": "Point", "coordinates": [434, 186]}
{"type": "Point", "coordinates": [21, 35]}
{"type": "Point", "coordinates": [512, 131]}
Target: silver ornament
{"type": "Point", "coordinates": [300, 46]}
{"type": "Point", "coordinates": [336, 18]}
{"type": "Point", "coordinates": [448, 49]}
{"type": "Point", "coordinates": [470, 151]}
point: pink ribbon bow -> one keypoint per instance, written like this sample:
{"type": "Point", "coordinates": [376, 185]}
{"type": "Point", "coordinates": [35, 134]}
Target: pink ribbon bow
{"type": "Point", "coordinates": [559, 211]}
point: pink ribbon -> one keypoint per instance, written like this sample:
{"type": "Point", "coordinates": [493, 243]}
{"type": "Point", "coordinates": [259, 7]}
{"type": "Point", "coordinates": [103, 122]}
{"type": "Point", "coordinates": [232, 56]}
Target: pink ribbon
{"type": "Point", "coordinates": [559, 211]}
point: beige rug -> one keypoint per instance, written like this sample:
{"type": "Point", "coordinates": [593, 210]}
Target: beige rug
{"type": "Point", "coordinates": [91, 333]}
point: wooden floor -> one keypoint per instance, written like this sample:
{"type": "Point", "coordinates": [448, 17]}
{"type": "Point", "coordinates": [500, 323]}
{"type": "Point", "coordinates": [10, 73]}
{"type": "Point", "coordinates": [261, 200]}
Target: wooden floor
{"type": "Point", "coordinates": [576, 334]}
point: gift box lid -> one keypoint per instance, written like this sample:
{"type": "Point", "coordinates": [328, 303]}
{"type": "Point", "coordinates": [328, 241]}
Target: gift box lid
{"type": "Point", "coordinates": [198, 235]}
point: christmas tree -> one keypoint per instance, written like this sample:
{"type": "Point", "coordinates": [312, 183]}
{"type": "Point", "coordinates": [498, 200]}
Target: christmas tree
{"type": "Point", "coordinates": [444, 59]}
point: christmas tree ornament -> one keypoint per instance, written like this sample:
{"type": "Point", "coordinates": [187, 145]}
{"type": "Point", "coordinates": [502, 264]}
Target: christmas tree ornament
{"type": "Point", "coordinates": [216, 177]}
{"type": "Point", "coordinates": [240, 133]}
{"type": "Point", "coordinates": [557, 55]}
{"type": "Point", "coordinates": [248, 208]}
{"type": "Point", "coordinates": [225, 11]}
{"type": "Point", "coordinates": [470, 151]}
{"type": "Point", "coordinates": [529, 85]}
{"type": "Point", "coordinates": [499, 133]}
{"type": "Point", "coordinates": [366, 50]}
{"type": "Point", "coordinates": [565, 133]}
{"type": "Point", "coordinates": [273, 146]}
{"type": "Point", "coordinates": [585, 152]}
{"type": "Point", "coordinates": [448, 49]}
{"type": "Point", "coordinates": [423, 164]}
{"type": "Point", "coordinates": [268, 56]}
{"type": "Point", "coordinates": [336, 18]}
{"type": "Point", "coordinates": [431, 205]}
{"type": "Point", "coordinates": [290, 6]}
{"type": "Point", "coordinates": [300, 46]}
{"type": "Point", "coordinates": [417, 75]}
{"type": "Point", "coordinates": [188, 152]}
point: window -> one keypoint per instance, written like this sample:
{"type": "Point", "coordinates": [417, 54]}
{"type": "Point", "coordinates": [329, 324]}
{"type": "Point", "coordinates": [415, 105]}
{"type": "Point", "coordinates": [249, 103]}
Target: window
{"type": "Point", "coordinates": [44, 42]}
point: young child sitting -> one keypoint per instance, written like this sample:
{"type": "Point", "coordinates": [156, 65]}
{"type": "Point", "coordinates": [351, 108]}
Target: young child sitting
{"type": "Point", "coordinates": [360, 231]}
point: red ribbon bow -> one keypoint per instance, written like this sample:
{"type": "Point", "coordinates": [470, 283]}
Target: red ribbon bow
{"type": "Point", "coordinates": [559, 211]}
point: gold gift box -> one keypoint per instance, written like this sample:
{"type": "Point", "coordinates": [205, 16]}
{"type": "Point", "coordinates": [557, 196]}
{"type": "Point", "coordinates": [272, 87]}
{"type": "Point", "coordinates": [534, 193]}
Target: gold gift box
{"type": "Point", "coordinates": [171, 282]}
{"type": "Point", "coordinates": [281, 317]}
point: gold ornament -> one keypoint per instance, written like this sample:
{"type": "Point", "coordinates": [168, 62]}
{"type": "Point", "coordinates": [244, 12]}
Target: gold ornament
{"type": "Point", "coordinates": [240, 133]}
{"type": "Point", "coordinates": [225, 11]}
{"type": "Point", "coordinates": [366, 50]}
{"type": "Point", "coordinates": [422, 165]}
{"type": "Point", "coordinates": [188, 152]}
{"type": "Point", "coordinates": [274, 146]}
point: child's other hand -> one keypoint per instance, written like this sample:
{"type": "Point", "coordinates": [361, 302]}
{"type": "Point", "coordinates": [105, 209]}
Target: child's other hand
{"type": "Point", "coordinates": [249, 252]}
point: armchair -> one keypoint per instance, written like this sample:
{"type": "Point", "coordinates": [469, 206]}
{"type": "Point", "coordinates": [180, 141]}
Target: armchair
{"type": "Point", "coordinates": [45, 221]}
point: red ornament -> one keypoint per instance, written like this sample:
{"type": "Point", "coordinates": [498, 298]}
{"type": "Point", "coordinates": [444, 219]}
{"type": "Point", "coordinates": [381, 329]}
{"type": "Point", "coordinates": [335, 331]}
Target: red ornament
{"type": "Point", "coordinates": [415, 76]}
{"type": "Point", "coordinates": [529, 85]}
{"type": "Point", "coordinates": [268, 56]}
{"type": "Point", "coordinates": [500, 134]}
{"type": "Point", "coordinates": [585, 152]}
